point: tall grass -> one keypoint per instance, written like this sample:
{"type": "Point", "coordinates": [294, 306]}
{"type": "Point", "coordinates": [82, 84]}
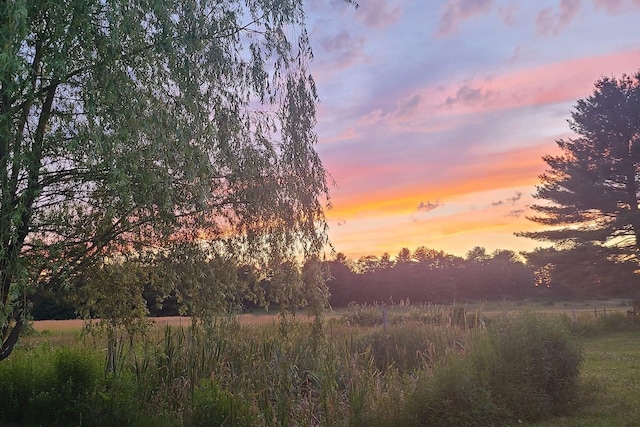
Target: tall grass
{"type": "Point", "coordinates": [425, 369]}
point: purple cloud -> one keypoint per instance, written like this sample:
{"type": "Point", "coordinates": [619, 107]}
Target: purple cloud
{"type": "Point", "coordinates": [516, 213]}
{"type": "Point", "coordinates": [406, 106]}
{"type": "Point", "coordinates": [428, 207]}
{"type": "Point", "coordinates": [611, 6]}
{"type": "Point", "coordinates": [513, 199]}
{"type": "Point", "coordinates": [378, 13]}
{"type": "Point", "coordinates": [343, 49]}
{"type": "Point", "coordinates": [549, 23]}
{"type": "Point", "coordinates": [508, 14]}
{"type": "Point", "coordinates": [468, 95]}
{"type": "Point", "coordinates": [517, 196]}
{"type": "Point", "coordinates": [615, 7]}
{"type": "Point", "coordinates": [457, 11]}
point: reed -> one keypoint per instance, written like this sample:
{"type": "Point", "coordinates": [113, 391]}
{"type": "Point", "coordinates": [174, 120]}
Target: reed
{"type": "Point", "coordinates": [431, 365]}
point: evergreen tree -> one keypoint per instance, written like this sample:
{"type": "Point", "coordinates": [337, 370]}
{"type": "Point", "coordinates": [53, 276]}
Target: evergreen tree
{"type": "Point", "coordinates": [590, 191]}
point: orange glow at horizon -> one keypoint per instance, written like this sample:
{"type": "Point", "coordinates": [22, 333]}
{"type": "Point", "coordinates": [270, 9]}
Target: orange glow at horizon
{"type": "Point", "coordinates": [518, 168]}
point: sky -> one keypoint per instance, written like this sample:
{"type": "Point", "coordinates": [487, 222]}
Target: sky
{"type": "Point", "coordinates": [434, 115]}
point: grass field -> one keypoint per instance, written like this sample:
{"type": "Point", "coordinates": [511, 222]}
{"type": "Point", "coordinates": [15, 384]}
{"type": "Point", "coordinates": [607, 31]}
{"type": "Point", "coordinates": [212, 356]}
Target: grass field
{"type": "Point", "coordinates": [255, 371]}
{"type": "Point", "coordinates": [611, 381]}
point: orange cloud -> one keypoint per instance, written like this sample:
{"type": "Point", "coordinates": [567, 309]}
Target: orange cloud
{"type": "Point", "coordinates": [490, 171]}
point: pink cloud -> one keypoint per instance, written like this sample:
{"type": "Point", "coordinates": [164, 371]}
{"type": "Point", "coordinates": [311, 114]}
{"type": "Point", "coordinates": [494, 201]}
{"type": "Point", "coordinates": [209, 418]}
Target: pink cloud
{"type": "Point", "coordinates": [434, 109]}
{"type": "Point", "coordinates": [548, 84]}
{"type": "Point", "coordinates": [613, 7]}
{"type": "Point", "coordinates": [508, 14]}
{"type": "Point", "coordinates": [457, 11]}
{"type": "Point", "coordinates": [549, 23]}
{"type": "Point", "coordinates": [392, 192]}
{"type": "Point", "coordinates": [378, 13]}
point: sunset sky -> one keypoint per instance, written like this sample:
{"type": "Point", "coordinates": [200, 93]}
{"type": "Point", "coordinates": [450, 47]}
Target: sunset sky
{"type": "Point", "coordinates": [434, 115]}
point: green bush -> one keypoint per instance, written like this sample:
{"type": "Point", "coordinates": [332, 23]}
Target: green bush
{"type": "Point", "coordinates": [25, 378]}
{"type": "Point", "coordinates": [47, 387]}
{"type": "Point", "coordinates": [76, 370]}
{"type": "Point", "coordinates": [213, 406]}
{"type": "Point", "coordinates": [408, 347]}
{"type": "Point", "coordinates": [363, 315]}
{"type": "Point", "coordinates": [524, 368]}
{"type": "Point", "coordinates": [453, 395]}
{"type": "Point", "coordinates": [536, 367]}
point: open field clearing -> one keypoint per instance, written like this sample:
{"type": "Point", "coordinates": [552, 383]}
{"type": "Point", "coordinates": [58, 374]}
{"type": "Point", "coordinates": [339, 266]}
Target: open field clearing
{"type": "Point", "coordinates": [431, 365]}
{"type": "Point", "coordinates": [261, 317]}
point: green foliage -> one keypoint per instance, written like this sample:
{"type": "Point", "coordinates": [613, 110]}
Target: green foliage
{"type": "Point", "coordinates": [223, 373]}
{"type": "Point", "coordinates": [213, 406]}
{"type": "Point", "coordinates": [409, 347]}
{"type": "Point", "coordinates": [126, 124]}
{"type": "Point", "coordinates": [590, 326]}
{"type": "Point", "coordinates": [590, 194]}
{"type": "Point", "coordinates": [525, 368]}
{"type": "Point", "coordinates": [454, 395]}
{"type": "Point", "coordinates": [363, 315]}
{"type": "Point", "coordinates": [75, 371]}
{"type": "Point", "coordinates": [536, 368]}
{"type": "Point", "coordinates": [48, 387]}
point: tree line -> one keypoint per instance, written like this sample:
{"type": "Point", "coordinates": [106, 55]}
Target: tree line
{"type": "Point", "coordinates": [429, 275]}
{"type": "Point", "coordinates": [422, 276]}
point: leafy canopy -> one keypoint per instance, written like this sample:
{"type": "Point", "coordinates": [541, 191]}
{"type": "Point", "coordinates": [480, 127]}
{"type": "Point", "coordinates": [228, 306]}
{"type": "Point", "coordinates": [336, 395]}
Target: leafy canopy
{"type": "Point", "coordinates": [126, 123]}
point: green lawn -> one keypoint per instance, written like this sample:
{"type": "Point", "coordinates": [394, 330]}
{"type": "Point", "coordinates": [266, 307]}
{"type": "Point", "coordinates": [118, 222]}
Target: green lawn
{"type": "Point", "coordinates": [611, 377]}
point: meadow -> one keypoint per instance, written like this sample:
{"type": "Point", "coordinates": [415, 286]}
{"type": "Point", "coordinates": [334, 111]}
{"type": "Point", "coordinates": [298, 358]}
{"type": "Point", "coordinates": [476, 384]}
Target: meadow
{"type": "Point", "coordinates": [545, 364]}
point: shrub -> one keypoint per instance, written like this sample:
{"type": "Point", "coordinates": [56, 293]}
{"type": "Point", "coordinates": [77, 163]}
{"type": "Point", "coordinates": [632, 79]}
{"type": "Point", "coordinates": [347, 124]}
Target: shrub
{"type": "Point", "coordinates": [24, 377]}
{"type": "Point", "coordinates": [46, 387]}
{"type": "Point", "coordinates": [213, 406]}
{"type": "Point", "coordinates": [535, 366]}
{"type": "Point", "coordinates": [524, 368]}
{"type": "Point", "coordinates": [363, 315]}
{"type": "Point", "coordinates": [409, 347]}
{"type": "Point", "coordinates": [453, 395]}
{"type": "Point", "coordinates": [76, 370]}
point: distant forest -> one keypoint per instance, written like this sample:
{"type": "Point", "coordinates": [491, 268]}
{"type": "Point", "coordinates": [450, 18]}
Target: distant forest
{"type": "Point", "coordinates": [422, 276]}
{"type": "Point", "coordinates": [428, 275]}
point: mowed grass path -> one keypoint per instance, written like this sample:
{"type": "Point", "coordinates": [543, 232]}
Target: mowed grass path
{"type": "Point", "coordinates": [611, 378]}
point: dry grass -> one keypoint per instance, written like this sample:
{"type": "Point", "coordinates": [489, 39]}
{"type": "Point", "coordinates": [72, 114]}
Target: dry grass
{"type": "Point", "coordinates": [266, 318]}
{"type": "Point", "coordinates": [244, 319]}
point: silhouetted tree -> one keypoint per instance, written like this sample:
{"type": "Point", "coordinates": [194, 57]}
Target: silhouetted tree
{"type": "Point", "coordinates": [341, 282]}
{"type": "Point", "coordinates": [404, 256]}
{"type": "Point", "coordinates": [591, 190]}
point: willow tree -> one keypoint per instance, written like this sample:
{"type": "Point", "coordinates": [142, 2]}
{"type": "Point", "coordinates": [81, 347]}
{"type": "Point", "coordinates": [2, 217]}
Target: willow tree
{"type": "Point", "coordinates": [591, 191]}
{"type": "Point", "coordinates": [127, 122]}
